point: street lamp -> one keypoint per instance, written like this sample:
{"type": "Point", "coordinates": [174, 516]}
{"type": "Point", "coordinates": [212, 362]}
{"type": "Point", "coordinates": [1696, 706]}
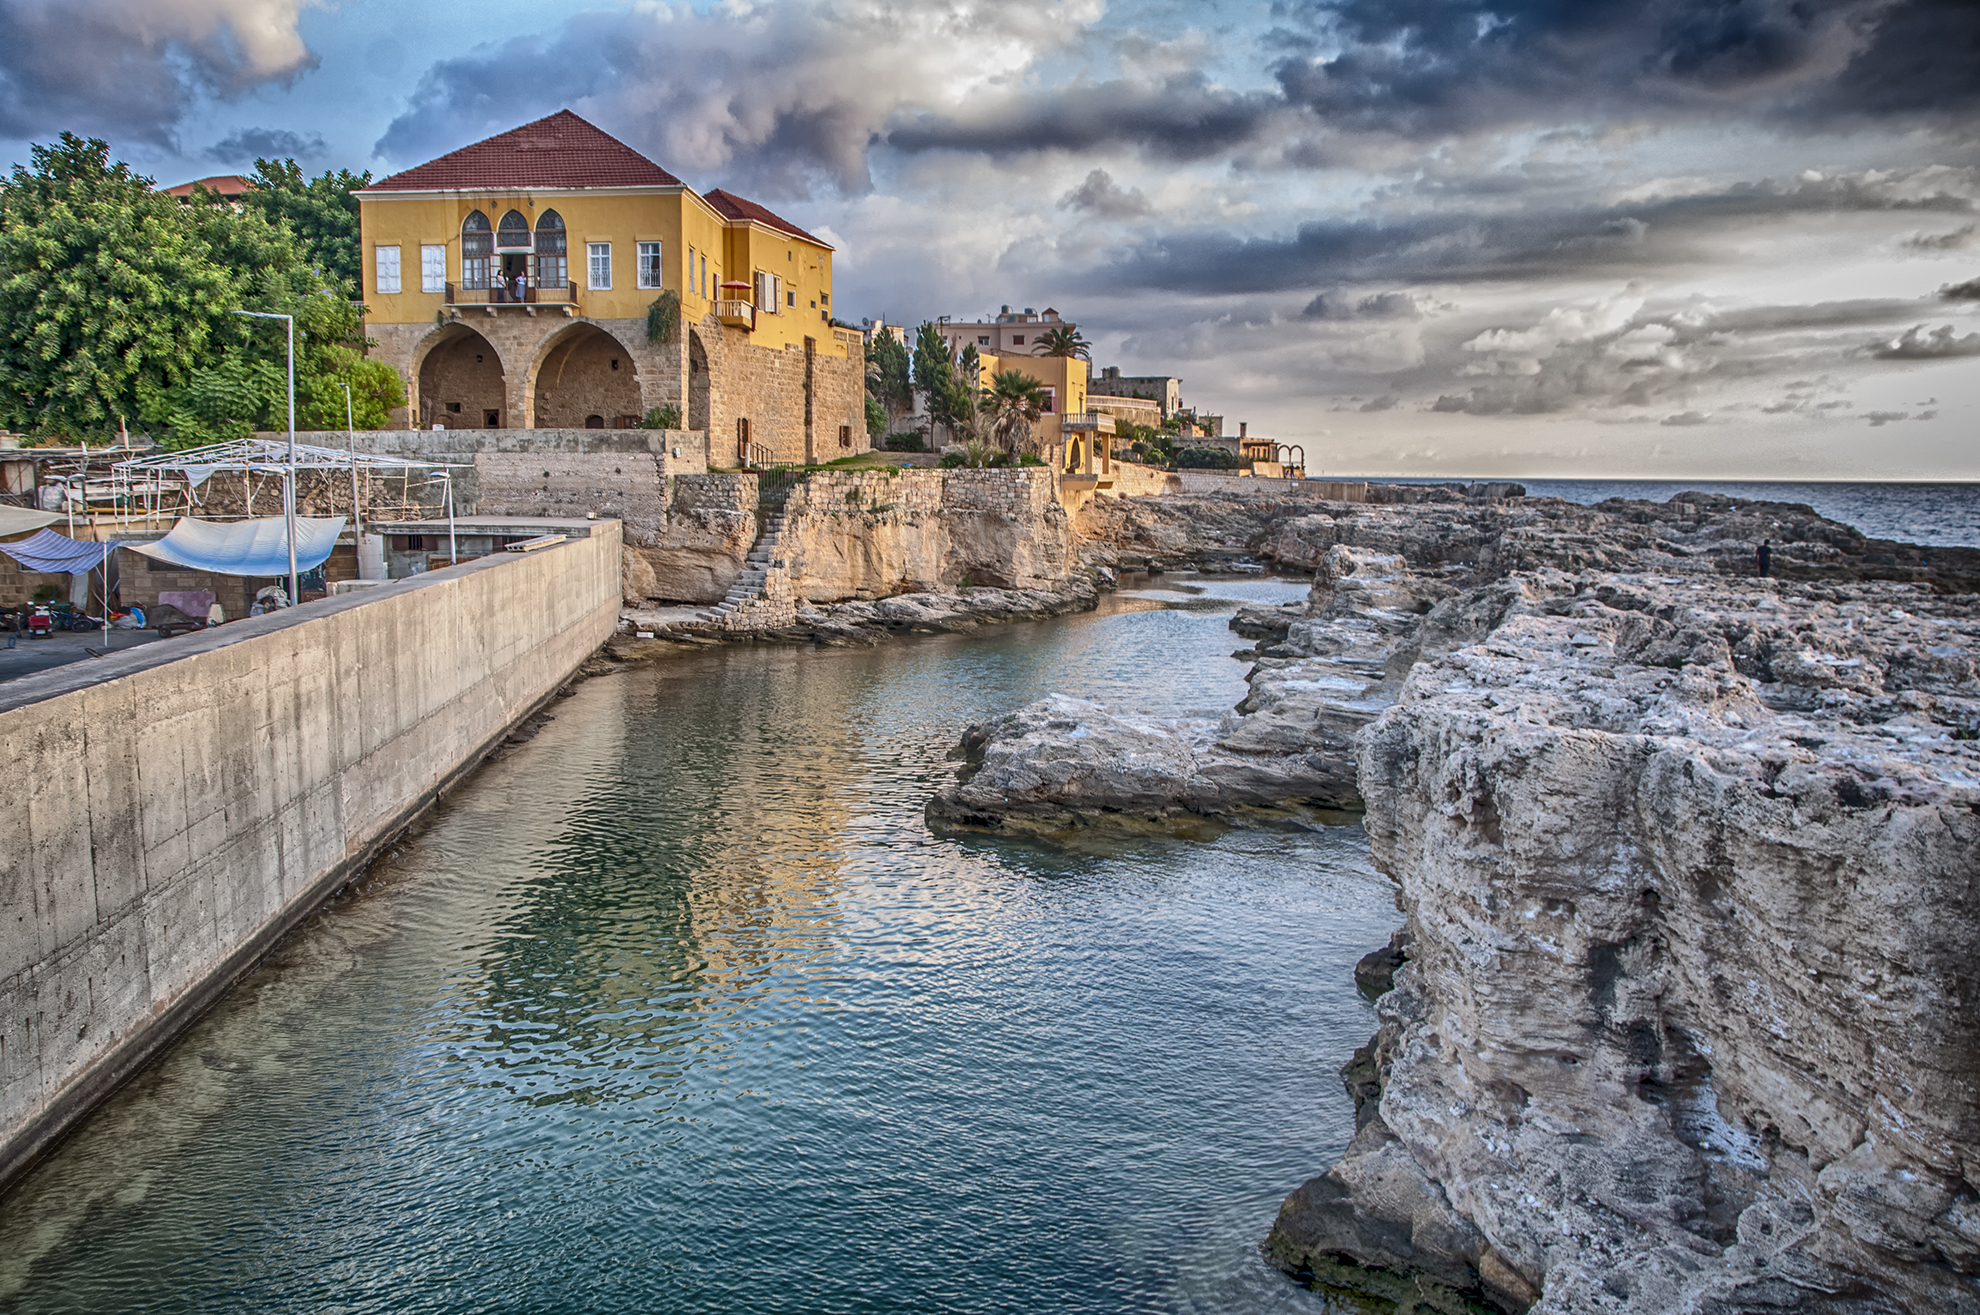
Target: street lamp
{"type": "Point", "coordinates": [289, 485]}
{"type": "Point", "coordinates": [357, 516]}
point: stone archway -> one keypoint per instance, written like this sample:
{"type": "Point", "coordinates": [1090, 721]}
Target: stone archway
{"type": "Point", "coordinates": [698, 379]}
{"type": "Point", "coordinates": [461, 382]}
{"type": "Point", "coordinates": [586, 374]}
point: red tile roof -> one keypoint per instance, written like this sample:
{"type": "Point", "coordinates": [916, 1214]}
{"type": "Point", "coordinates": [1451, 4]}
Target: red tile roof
{"type": "Point", "coordinates": [558, 152]}
{"type": "Point", "coordinates": [732, 206]}
{"type": "Point", "coordinates": [227, 185]}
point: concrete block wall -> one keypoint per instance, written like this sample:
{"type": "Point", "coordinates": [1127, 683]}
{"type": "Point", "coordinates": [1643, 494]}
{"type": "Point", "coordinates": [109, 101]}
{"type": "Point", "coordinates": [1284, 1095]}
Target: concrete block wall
{"type": "Point", "coordinates": [179, 807]}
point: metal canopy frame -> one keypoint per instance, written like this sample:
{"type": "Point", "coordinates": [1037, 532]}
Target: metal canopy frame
{"type": "Point", "coordinates": [272, 458]}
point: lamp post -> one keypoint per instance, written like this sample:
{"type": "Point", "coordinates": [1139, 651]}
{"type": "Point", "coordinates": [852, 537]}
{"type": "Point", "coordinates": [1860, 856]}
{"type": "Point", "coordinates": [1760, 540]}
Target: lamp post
{"type": "Point", "coordinates": [289, 484]}
{"type": "Point", "coordinates": [357, 515]}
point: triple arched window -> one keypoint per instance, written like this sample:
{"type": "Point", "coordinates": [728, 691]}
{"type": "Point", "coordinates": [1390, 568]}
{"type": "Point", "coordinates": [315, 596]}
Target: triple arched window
{"type": "Point", "coordinates": [481, 243]}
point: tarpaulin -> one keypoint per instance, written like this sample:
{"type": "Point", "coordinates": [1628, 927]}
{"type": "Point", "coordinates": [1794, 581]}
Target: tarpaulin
{"type": "Point", "coordinates": [49, 551]}
{"type": "Point", "coordinates": [19, 520]}
{"type": "Point", "coordinates": [256, 547]}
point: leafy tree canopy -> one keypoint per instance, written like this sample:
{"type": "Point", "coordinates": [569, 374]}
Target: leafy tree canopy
{"type": "Point", "coordinates": [889, 377]}
{"type": "Point", "coordinates": [320, 211]}
{"type": "Point", "coordinates": [115, 309]}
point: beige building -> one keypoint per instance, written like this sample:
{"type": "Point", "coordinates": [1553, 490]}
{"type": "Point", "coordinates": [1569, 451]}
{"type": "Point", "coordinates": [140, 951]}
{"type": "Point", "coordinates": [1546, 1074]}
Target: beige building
{"type": "Point", "coordinates": [1011, 333]}
{"type": "Point", "coordinates": [1164, 390]}
{"type": "Point", "coordinates": [523, 282]}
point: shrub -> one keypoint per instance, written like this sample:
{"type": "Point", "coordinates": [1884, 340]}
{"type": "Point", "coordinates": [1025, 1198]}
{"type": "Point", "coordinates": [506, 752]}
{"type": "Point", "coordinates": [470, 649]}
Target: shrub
{"type": "Point", "coordinates": [1031, 459]}
{"type": "Point", "coordinates": [950, 460]}
{"type": "Point", "coordinates": [1206, 458]}
{"type": "Point", "coordinates": [664, 416]}
{"type": "Point", "coordinates": [906, 443]}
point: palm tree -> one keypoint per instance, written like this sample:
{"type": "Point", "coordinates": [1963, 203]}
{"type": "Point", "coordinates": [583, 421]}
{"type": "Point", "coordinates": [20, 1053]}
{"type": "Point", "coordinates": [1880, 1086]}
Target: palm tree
{"type": "Point", "coordinates": [1012, 404]}
{"type": "Point", "coordinates": [1064, 340]}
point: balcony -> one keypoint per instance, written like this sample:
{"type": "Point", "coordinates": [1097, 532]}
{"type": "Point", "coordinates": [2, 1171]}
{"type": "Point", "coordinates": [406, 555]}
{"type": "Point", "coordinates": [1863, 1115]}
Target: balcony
{"type": "Point", "coordinates": [1086, 422]}
{"type": "Point", "coordinates": [741, 314]}
{"type": "Point", "coordinates": [562, 296]}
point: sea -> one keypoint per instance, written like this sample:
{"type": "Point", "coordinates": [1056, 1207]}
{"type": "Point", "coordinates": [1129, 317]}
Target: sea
{"type": "Point", "coordinates": [1943, 514]}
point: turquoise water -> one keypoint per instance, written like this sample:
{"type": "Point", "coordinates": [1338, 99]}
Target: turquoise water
{"type": "Point", "coordinates": [681, 1007]}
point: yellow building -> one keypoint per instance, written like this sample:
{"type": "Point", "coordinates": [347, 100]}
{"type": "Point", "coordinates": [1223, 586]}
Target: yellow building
{"type": "Point", "coordinates": [1065, 436]}
{"type": "Point", "coordinates": [511, 284]}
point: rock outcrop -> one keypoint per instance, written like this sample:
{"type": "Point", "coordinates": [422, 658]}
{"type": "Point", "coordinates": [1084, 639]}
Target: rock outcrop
{"type": "Point", "coordinates": [1687, 1021]}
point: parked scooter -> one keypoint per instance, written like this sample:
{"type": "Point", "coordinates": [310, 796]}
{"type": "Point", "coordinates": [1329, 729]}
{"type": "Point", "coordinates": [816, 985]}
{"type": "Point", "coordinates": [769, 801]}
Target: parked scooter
{"type": "Point", "coordinates": [41, 623]}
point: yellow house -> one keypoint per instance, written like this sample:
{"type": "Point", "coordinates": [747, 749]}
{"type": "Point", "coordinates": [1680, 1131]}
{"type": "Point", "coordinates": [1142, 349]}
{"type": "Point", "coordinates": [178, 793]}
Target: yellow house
{"type": "Point", "coordinates": [514, 284]}
{"type": "Point", "coordinates": [1066, 433]}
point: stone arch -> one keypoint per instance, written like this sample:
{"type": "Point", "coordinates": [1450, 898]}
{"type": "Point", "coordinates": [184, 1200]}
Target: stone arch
{"type": "Point", "coordinates": [698, 381]}
{"type": "Point", "coordinates": [462, 383]}
{"type": "Point", "coordinates": [581, 372]}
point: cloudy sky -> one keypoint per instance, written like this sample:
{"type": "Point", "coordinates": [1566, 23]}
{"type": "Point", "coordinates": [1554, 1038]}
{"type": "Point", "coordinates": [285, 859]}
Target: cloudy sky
{"type": "Point", "coordinates": [1658, 238]}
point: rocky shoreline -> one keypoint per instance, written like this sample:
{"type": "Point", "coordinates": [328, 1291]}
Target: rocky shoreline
{"type": "Point", "coordinates": [1683, 1016]}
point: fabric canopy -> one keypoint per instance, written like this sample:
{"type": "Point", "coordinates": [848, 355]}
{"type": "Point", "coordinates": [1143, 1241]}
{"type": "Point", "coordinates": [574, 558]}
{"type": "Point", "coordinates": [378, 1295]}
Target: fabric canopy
{"type": "Point", "coordinates": [19, 520]}
{"type": "Point", "coordinates": [58, 553]}
{"type": "Point", "coordinates": [256, 547]}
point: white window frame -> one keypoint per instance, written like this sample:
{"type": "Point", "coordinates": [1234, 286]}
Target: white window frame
{"type": "Point", "coordinates": [790, 298]}
{"type": "Point", "coordinates": [651, 273]}
{"type": "Point", "coordinates": [594, 253]}
{"type": "Point", "coordinates": [769, 292]}
{"type": "Point", "coordinates": [433, 267]}
{"type": "Point", "coordinates": [385, 269]}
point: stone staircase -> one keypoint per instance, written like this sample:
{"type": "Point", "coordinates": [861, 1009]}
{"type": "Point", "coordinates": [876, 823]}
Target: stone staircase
{"type": "Point", "coordinates": [750, 582]}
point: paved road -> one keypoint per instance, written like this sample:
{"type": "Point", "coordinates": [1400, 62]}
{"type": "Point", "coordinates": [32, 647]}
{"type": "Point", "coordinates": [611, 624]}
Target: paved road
{"type": "Point", "coordinates": [61, 648]}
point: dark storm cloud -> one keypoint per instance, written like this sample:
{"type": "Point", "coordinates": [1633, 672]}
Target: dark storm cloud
{"type": "Point", "coordinates": [1967, 291]}
{"type": "Point", "coordinates": [248, 144]}
{"type": "Point", "coordinates": [1181, 117]}
{"type": "Point", "coordinates": [1819, 315]}
{"type": "Point", "coordinates": [128, 68]}
{"type": "Point", "coordinates": [1429, 69]}
{"type": "Point", "coordinates": [1376, 306]}
{"type": "Point", "coordinates": [1452, 244]}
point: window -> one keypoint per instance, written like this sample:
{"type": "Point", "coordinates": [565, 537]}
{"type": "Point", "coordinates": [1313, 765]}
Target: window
{"type": "Point", "coordinates": [1051, 400]}
{"type": "Point", "coordinates": [845, 435]}
{"type": "Point", "coordinates": [649, 265]}
{"type": "Point", "coordinates": [825, 299]}
{"type": "Point", "coordinates": [553, 265]}
{"type": "Point", "coordinates": [792, 298]}
{"type": "Point", "coordinates": [982, 340]}
{"type": "Point", "coordinates": [388, 269]}
{"type": "Point", "coordinates": [477, 250]}
{"type": "Point", "coordinates": [599, 262]}
{"type": "Point", "coordinates": [704, 274]}
{"type": "Point", "coordinates": [769, 292]}
{"type": "Point", "coordinates": [513, 233]}
{"type": "Point", "coordinates": [433, 269]}
{"type": "Point", "coordinates": [1017, 340]}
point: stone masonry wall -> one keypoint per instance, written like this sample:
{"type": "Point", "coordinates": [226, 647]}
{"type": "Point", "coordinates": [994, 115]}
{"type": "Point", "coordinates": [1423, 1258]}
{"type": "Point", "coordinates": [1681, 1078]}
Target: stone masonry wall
{"type": "Point", "coordinates": [708, 528]}
{"type": "Point", "coordinates": [769, 388]}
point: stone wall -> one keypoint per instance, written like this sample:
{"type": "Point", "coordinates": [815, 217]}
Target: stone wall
{"type": "Point", "coordinates": [796, 399]}
{"type": "Point", "coordinates": [1194, 481]}
{"type": "Point", "coordinates": [869, 534]}
{"type": "Point", "coordinates": [180, 807]}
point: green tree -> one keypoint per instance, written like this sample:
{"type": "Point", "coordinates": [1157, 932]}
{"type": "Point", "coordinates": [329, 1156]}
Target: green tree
{"type": "Point", "coordinates": [108, 291]}
{"type": "Point", "coordinates": [877, 424]}
{"type": "Point", "coordinates": [1011, 404]}
{"type": "Point", "coordinates": [935, 376]}
{"type": "Point", "coordinates": [320, 211]}
{"type": "Point", "coordinates": [1063, 340]}
{"type": "Point", "coordinates": [889, 378]}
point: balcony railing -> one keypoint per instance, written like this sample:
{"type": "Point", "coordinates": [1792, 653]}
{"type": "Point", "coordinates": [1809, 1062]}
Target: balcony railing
{"type": "Point", "coordinates": [739, 313]}
{"type": "Point", "coordinates": [564, 294]}
{"type": "Point", "coordinates": [1081, 422]}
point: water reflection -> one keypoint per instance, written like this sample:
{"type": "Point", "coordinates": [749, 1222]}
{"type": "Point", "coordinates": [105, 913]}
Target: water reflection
{"type": "Point", "coordinates": [683, 1008]}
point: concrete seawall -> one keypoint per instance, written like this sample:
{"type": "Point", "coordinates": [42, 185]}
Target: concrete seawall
{"type": "Point", "coordinates": [177, 809]}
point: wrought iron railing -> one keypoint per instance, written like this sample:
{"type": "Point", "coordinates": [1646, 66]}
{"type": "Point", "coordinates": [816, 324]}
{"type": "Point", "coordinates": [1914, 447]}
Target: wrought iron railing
{"type": "Point", "coordinates": [504, 294]}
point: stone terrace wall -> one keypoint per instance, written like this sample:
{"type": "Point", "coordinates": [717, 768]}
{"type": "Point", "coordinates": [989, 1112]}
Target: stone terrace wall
{"type": "Point", "coordinates": [869, 534]}
{"type": "Point", "coordinates": [708, 528]}
{"type": "Point", "coordinates": [179, 807]}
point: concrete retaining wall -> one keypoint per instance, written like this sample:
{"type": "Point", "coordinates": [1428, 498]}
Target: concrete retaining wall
{"type": "Point", "coordinates": [176, 809]}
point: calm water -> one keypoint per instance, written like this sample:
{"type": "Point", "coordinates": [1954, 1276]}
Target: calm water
{"type": "Point", "coordinates": [682, 1008]}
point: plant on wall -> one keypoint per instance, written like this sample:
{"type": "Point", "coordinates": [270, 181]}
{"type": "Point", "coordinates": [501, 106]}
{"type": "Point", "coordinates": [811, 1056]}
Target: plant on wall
{"type": "Point", "coordinates": [664, 416]}
{"type": "Point", "coordinates": [663, 317]}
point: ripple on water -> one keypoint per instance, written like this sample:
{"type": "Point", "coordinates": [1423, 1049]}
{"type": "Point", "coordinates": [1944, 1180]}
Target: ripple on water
{"type": "Point", "coordinates": [684, 1008]}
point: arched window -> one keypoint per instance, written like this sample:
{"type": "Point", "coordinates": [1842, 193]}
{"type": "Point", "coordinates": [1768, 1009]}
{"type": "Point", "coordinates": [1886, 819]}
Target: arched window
{"type": "Point", "coordinates": [477, 249]}
{"type": "Point", "coordinates": [552, 252]}
{"type": "Point", "coordinates": [513, 232]}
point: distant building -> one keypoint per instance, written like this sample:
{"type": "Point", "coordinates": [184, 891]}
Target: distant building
{"type": "Point", "coordinates": [1163, 389]}
{"type": "Point", "coordinates": [871, 330]}
{"type": "Point", "coordinates": [228, 187]}
{"type": "Point", "coordinates": [1066, 418]}
{"type": "Point", "coordinates": [1011, 333]}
